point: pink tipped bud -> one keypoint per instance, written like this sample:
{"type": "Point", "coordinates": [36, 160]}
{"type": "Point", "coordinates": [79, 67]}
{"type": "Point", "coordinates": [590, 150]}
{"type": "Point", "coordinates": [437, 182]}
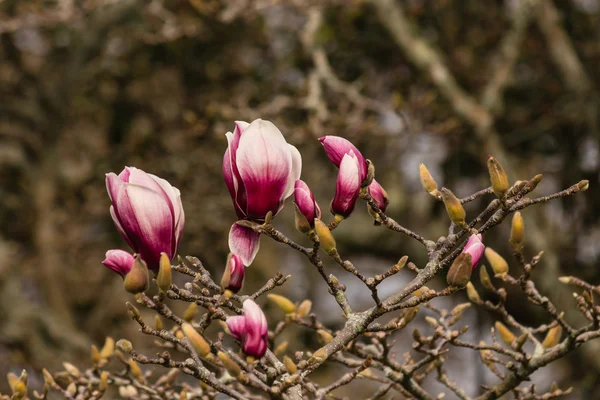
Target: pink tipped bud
{"type": "Point", "coordinates": [475, 248]}
{"type": "Point", "coordinates": [307, 207]}
{"type": "Point", "coordinates": [119, 261]}
{"type": "Point", "coordinates": [347, 187]}
{"type": "Point", "coordinates": [250, 329]}
{"type": "Point", "coordinates": [233, 277]}
{"type": "Point", "coordinates": [379, 194]}
{"type": "Point", "coordinates": [336, 147]}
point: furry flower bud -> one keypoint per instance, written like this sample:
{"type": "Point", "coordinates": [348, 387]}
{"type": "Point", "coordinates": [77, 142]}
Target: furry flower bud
{"type": "Point", "coordinates": [455, 210]}
{"type": "Point", "coordinates": [136, 280]}
{"type": "Point", "coordinates": [497, 176]}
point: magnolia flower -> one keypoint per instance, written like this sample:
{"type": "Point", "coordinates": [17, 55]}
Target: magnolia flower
{"type": "Point", "coordinates": [307, 208]}
{"type": "Point", "coordinates": [233, 277]}
{"type": "Point", "coordinates": [475, 248]}
{"type": "Point", "coordinates": [147, 212]}
{"type": "Point", "coordinates": [250, 329]}
{"type": "Point", "coordinates": [347, 187]}
{"type": "Point", "coordinates": [337, 147]}
{"type": "Point", "coordinates": [260, 169]}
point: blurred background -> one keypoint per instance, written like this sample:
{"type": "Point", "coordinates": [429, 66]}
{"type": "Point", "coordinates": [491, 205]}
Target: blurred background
{"type": "Point", "coordinates": [89, 86]}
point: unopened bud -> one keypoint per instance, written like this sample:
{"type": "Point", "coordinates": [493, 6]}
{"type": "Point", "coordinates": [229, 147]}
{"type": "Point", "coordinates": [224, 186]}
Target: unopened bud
{"type": "Point", "coordinates": [454, 208]}
{"type": "Point", "coordinates": [304, 308]}
{"type": "Point", "coordinates": [427, 181]}
{"type": "Point", "coordinates": [431, 321]}
{"type": "Point", "coordinates": [103, 385]}
{"type": "Point", "coordinates": [196, 340]}
{"type": "Point", "coordinates": [231, 366]}
{"type": "Point", "coordinates": [136, 372]}
{"type": "Point", "coordinates": [125, 346]}
{"type": "Point", "coordinates": [183, 395]}
{"type": "Point", "coordinates": [71, 369]}
{"type": "Point", "coordinates": [484, 277]}
{"type": "Point", "coordinates": [283, 303]}
{"type": "Point", "coordinates": [505, 334]}
{"type": "Point", "coordinates": [233, 276]}
{"type": "Point", "coordinates": [289, 365]}
{"type": "Point", "coordinates": [279, 350]}
{"type": "Point", "coordinates": [459, 273]}
{"type": "Point", "coordinates": [521, 340]}
{"type": "Point", "coordinates": [47, 377]}
{"type": "Point", "coordinates": [517, 232]}
{"type": "Point", "coordinates": [302, 224]}
{"type": "Point", "coordinates": [497, 176]}
{"type": "Point", "coordinates": [552, 337]}
{"type": "Point", "coordinates": [370, 174]}
{"type": "Point", "coordinates": [72, 389]}
{"type": "Point", "coordinates": [324, 336]}
{"type": "Point", "coordinates": [408, 316]}
{"type": "Point", "coordinates": [565, 279]}
{"type": "Point", "coordinates": [165, 276]}
{"type": "Point", "coordinates": [191, 312]}
{"type": "Point", "coordinates": [472, 294]}
{"type": "Point", "coordinates": [136, 281]}
{"type": "Point", "coordinates": [108, 349]}
{"type": "Point", "coordinates": [325, 237]}
{"type": "Point", "coordinates": [158, 323]}
{"type": "Point", "coordinates": [583, 185]}
{"type": "Point", "coordinates": [497, 262]}
{"type": "Point", "coordinates": [95, 355]}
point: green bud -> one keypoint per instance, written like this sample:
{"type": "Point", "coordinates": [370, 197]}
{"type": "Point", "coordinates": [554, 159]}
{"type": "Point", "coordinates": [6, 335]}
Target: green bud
{"type": "Point", "coordinates": [455, 210]}
{"type": "Point", "coordinates": [165, 276]}
{"type": "Point", "coordinates": [498, 177]}
{"type": "Point", "coordinates": [459, 273]}
{"type": "Point", "coordinates": [136, 281]}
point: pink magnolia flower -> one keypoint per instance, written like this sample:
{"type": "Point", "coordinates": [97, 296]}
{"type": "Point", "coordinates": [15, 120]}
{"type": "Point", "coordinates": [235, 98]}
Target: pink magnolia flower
{"type": "Point", "coordinates": [119, 261]}
{"type": "Point", "coordinates": [260, 169]}
{"type": "Point", "coordinates": [336, 147]}
{"type": "Point", "coordinates": [347, 187]}
{"type": "Point", "coordinates": [475, 248]}
{"type": "Point", "coordinates": [233, 278]}
{"type": "Point", "coordinates": [379, 194]}
{"type": "Point", "coordinates": [250, 329]}
{"type": "Point", "coordinates": [306, 203]}
{"type": "Point", "coordinates": [147, 212]}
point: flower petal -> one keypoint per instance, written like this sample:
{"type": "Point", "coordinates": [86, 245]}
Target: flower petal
{"type": "Point", "coordinates": [295, 172]}
{"type": "Point", "coordinates": [120, 228]}
{"type": "Point", "coordinates": [237, 189]}
{"type": "Point", "coordinates": [347, 186]}
{"type": "Point", "coordinates": [244, 242]}
{"type": "Point", "coordinates": [146, 217]}
{"type": "Point", "coordinates": [174, 196]}
{"type": "Point", "coordinates": [264, 163]}
{"type": "Point", "coordinates": [336, 147]}
{"type": "Point", "coordinates": [113, 185]}
{"type": "Point", "coordinates": [236, 326]}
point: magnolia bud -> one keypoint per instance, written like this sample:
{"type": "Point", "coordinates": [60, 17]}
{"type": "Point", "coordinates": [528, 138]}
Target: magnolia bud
{"type": "Point", "coordinates": [370, 174]}
{"type": "Point", "coordinates": [283, 303]}
{"type": "Point", "coordinates": [165, 276]}
{"type": "Point", "coordinates": [158, 324]}
{"type": "Point", "coordinates": [302, 224]}
{"type": "Point", "coordinates": [136, 281]}
{"type": "Point", "coordinates": [124, 346]}
{"type": "Point", "coordinates": [289, 365]}
{"type": "Point", "coordinates": [484, 277]}
{"type": "Point", "coordinates": [196, 340]}
{"type": "Point", "coordinates": [304, 308]}
{"type": "Point", "coordinates": [231, 366]}
{"type": "Point", "coordinates": [427, 181]}
{"type": "Point", "coordinates": [95, 355]}
{"type": "Point", "coordinates": [325, 237]}
{"type": "Point", "coordinates": [497, 176]}
{"type": "Point", "coordinates": [505, 334]}
{"type": "Point", "coordinates": [517, 232]}
{"type": "Point", "coordinates": [324, 336]}
{"type": "Point", "coordinates": [103, 385]}
{"type": "Point", "coordinates": [136, 372]}
{"type": "Point", "coordinates": [455, 210]}
{"type": "Point", "coordinates": [552, 337]}
{"type": "Point", "coordinates": [583, 185]}
{"type": "Point", "coordinates": [459, 273]}
{"type": "Point", "coordinates": [108, 349]}
{"type": "Point", "coordinates": [497, 262]}
{"type": "Point", "coordinates": [472, 294]}
{"type": "Point", "coordinates": [191, 312]}
{"type": "Point", "coordinates": [233, 277]}
{"type": "Point", "coordinates": [279, 350]}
